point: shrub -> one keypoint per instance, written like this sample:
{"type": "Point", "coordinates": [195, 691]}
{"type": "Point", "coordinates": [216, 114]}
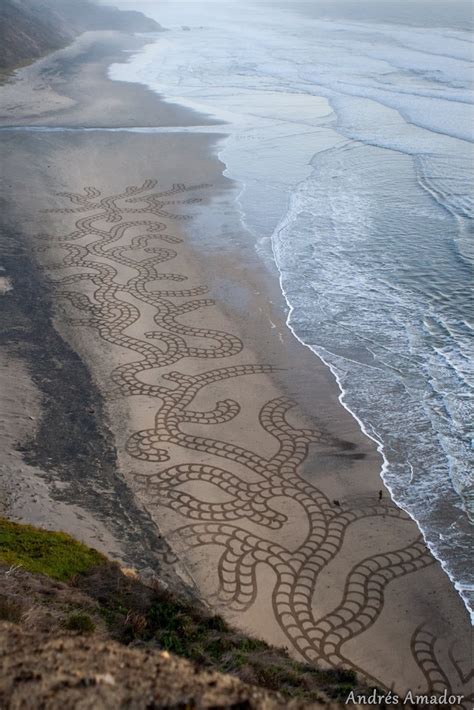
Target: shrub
{"type": "Point", "coordinates": [135, 625]}
{"type": "Point", "coordinates": [81, 622]}
{"type": "Point", "coordinates": [10, 610]}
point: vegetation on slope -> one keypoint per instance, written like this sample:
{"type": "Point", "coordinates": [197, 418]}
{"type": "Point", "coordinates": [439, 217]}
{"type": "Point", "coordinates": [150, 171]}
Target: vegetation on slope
{"type": "Point", "coordinates": [137, 613]}
{"type": "Point", "coordinates": [55, 554]}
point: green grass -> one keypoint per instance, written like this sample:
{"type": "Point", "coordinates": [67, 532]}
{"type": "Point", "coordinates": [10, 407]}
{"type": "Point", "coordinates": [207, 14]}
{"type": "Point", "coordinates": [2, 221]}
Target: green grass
{"type": "Point", "coordinates": [135, 612]}
{"type": "Point", "coordinates": [52, 553]}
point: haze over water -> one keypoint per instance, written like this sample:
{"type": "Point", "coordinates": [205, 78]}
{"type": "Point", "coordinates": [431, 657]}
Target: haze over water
{"type": "Point", "coordinates": [350, 129]}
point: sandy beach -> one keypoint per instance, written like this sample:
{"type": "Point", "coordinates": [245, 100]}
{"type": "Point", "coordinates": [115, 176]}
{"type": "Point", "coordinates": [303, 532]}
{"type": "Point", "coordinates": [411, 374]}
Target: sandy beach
{"type": "Point", "coordinates": [217, 454]}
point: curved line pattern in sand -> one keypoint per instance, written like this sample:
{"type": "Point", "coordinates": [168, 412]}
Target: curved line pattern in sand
{"type": "Point", "coordinates": [96, 249]}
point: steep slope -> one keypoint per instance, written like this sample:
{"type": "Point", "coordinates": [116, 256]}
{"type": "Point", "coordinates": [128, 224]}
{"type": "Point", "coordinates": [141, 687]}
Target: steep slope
{"type": "Point", "coordinates": [31, 28]}
{"type": "Point", "coordinates": [75, 671]}
{"type": "Point", "coordinates": [75, 629]}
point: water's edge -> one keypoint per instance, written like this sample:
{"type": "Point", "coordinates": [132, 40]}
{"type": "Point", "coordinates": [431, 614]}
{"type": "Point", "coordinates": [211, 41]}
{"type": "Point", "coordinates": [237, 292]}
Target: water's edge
{"type": "Point", "coordinates": [379, 444]}
{"type": "Point", "coordinates": [323, 354]}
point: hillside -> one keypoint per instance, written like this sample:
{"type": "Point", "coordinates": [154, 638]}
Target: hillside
{"type": "Point", "coordinates": [70, 618]}
{"type": "Point", "coordinates": [31, 28]}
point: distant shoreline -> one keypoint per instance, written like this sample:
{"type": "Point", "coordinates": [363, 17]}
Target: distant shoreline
{"type": "Point", "coordinates": [28, 33]}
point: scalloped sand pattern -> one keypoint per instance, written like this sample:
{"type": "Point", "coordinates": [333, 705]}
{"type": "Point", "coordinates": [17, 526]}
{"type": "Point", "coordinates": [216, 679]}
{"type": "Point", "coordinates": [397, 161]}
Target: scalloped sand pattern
{"type": "Point", "coordinates": [220, 500]}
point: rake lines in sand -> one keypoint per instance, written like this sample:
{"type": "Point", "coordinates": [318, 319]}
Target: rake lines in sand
{"type": "Point", "coordinates": [101, 246]}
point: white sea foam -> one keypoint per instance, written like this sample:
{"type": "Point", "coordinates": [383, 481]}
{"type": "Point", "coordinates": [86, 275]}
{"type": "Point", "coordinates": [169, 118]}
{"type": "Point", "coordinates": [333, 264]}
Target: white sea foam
{"type": "Point", "coordinates": [352, 143]}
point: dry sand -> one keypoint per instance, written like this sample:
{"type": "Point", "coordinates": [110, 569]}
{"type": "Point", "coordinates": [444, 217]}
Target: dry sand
{"type": "Point", "coordinates": [229, 436]}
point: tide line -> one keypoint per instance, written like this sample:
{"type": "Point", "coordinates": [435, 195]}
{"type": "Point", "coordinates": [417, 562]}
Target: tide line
{"type": "Point", "coordinates": [114, 129]}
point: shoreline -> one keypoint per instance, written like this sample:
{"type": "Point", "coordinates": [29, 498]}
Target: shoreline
{"type": "Point", "coordinates": [236, 282]}
{"type": "Point", "coordinates": [264, 253]}
{"type": "Point", "coordinates": [461, 590]}
{"type": "Point", "coordinates": [417, 464]}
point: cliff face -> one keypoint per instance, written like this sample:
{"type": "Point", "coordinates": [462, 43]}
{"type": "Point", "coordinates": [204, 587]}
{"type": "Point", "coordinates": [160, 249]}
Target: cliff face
{"type": "Point", "coordinates": [30, 28]}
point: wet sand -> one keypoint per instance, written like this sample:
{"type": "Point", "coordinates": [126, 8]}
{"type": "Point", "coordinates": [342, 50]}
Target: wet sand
{"type": "Point", "coordinates": [225, 442]}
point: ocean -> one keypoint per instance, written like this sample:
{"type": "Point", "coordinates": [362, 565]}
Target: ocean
{"type": "Point", "coordinates": [349, 128]}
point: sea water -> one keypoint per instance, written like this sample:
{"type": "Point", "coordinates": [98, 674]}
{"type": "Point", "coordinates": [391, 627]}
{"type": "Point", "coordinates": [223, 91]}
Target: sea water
{"type": "Point", "coordinates": [350, 127]}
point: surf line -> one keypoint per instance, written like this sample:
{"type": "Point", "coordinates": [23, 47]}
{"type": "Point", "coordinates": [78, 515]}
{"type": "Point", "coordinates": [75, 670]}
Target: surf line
{"type": "Point", "coordinates": [374, 437]}
{"type": "Point", "coordinates": [114, 129]}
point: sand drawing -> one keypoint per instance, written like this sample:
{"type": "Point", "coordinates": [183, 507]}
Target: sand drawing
{"type": "Point", "coordinates": [242, 520]}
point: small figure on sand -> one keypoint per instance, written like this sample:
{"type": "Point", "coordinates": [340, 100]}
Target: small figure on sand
{"type": "Point", "coordinates": [380, 495]}
{"type": "Point", "coordinates": [336, 502]}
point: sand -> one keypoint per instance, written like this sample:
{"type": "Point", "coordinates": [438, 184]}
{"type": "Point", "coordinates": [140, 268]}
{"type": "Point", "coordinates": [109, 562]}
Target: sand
{"type": "Point", "coordinates": [230, 445]}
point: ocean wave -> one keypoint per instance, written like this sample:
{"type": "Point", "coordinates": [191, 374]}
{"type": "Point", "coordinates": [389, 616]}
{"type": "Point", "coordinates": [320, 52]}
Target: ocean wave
{"type": "Point", "coordinates": [351, 147]}
{"type": "Point", "coordinates": [359, 308]}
